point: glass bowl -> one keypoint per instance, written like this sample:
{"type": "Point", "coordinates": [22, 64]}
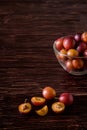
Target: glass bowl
{"type": "Point", "coordinates": [80, 62]}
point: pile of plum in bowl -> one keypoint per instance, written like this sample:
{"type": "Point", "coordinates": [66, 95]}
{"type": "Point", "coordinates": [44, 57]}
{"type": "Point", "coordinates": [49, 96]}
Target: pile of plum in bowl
{"type": "Point", "coordinates": [71, 52]}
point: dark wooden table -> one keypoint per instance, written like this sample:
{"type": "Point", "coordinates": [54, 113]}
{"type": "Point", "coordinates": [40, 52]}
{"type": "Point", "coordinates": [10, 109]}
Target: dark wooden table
{"type": "Point", "coordinates": [28, 29]}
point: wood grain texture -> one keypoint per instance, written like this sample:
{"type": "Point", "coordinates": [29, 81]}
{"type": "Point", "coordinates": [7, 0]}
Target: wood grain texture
{"type": "Point", "coordinates": [27, 61]}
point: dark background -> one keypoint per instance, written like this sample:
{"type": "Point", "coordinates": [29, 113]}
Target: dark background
{"type": "Point", "coordinates": [28, 29]}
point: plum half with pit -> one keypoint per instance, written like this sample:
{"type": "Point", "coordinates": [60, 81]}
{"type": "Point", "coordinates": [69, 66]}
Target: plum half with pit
{"type": "Point", "coordinates": [58, 107]}
{"type": "Point", "coordinates": [25, 108]}
{"type": "Point", "coordinates": [38, 101]}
